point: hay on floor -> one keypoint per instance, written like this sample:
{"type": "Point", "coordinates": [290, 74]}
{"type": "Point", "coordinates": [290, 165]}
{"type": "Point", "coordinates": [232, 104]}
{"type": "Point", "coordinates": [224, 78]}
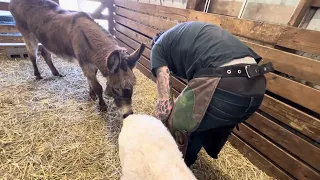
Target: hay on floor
{"type": "Point", "coordinates": [50, 129]}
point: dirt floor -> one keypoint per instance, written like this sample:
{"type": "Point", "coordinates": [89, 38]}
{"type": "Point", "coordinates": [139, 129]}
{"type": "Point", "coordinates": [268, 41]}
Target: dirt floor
{"type": "Point", "coordinates": [49, 129]}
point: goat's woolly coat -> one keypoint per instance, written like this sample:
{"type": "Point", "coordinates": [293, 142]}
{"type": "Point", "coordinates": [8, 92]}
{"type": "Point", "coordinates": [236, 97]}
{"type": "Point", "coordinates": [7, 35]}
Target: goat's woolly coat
{"type": "Point", "coordinates": [148, 151]}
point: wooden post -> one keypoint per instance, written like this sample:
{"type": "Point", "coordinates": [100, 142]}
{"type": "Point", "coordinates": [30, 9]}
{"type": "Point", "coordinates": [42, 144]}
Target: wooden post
{"type": "Point", "coordinates": [111, 21]}
{"type": "Point", "coordinates": [197, 5]}
{"type": "Point", "coordinates": [316, 3]}
{"type": "Point", "coordinates": [300, 11]}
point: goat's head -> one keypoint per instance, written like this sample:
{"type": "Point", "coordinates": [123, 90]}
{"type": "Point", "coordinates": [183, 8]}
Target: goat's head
{"type": "Point", "coordinates": [121, 79]}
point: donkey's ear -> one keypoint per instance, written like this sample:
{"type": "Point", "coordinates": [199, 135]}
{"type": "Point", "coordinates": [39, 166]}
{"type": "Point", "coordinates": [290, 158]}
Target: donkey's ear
{"type": "Point", "coordinates": [113, 61]}
{"type": "Point", "coordinates": [134, 57]}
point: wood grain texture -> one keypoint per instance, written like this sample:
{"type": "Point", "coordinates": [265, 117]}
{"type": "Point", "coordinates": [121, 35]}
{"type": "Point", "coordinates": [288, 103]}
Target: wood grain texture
{"type": "Point", "coordinates": [258, 159]}
{"type": "Point", "coordinates": [148, 31]}
{"type": "Point", "coordinates": [316, 3]}
{"type": "Point", "coordinates": [309, 153]}
{"type": "Point", "coordinates": [300, 39]}
{"type": "Point", "coordinates": [154, 22]}
{"type": "Point", "coordinates": [8, 29]}
{"type": "Point", "coordinates": [134, 35]}
{"type": "Point", "coordinates": [286, 161]}
{"type": "Point", "coordinates": [299, 12]}
{"type": "Point", "coordinates": [175, 14]}
{"type": "Point", "coordinates": [133, 44]}
{"type": "Point", "coordinates": [274, 34]}
{"type": "Point", "coordinates": [298, 120]}
{"type": "Point", "coordinates": [293, 91]}
{"type": "Point", "coordinates": [291, 64]}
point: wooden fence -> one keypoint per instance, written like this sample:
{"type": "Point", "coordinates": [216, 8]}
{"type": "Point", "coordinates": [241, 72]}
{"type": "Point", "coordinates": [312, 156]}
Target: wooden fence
{"type": "Point", "coordinates": [283, 137]}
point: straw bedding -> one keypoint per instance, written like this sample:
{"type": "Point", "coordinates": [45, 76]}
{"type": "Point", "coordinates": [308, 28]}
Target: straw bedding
{"type": "Point", "coordinates": [49, 129]}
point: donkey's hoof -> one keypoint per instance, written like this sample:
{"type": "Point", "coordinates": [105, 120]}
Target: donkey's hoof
{"type": "Point", "coordinates": [93, 96]}
{"type": "Point", "coordinates": [38, 78]}
{"type": "Point", "coordinates": [103, 108]}
{"type": "Point", "coordinates": [59, 75]}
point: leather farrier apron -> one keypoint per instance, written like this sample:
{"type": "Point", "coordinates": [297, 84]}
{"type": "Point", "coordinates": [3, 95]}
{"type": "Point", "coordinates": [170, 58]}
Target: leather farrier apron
{"type": "Point", "coordinates": [192, 103]}
{"type": "Point", "coordinates": [190, 108]}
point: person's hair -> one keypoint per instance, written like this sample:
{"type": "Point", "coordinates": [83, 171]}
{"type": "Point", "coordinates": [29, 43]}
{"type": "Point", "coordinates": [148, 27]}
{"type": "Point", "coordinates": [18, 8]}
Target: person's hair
{"type": "Point", "coordinates": [154, 39]}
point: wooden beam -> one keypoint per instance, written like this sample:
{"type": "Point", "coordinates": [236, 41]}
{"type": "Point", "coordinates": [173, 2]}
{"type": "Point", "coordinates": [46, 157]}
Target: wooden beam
{"type": "Point", "coordinates": [294, 118]}
{"type": "Point", "coordinates": [197, 5]}
{"type": "Point", "coordinates": [273, 34]}
{"type": "Point", "coordinates": [286, 161]}
{"type": "Point", "coordinates": [286, 139]}
{"type": "Point", "coordinates": [299, 66]}
{"type": "Point", "coordinates": [148, 31]}
{"type": "Point", "coordinates": [4, 6]}
{"type": "Point", "coordinates": [174, 14]}
{"type": "Point", "coordinates": [300, 12]}
{"type": "Point", "coordinates": [316, 3]}
{"type": "Point", "coordinates": [257, 159]}
{"type": "Point", "coordinates": [97, 13]}
{"type": "Point", "coordinates": [8, 29]}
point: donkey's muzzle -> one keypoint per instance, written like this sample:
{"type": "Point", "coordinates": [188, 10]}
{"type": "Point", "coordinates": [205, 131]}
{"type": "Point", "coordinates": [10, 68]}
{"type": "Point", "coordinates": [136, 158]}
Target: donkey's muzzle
{"type": "Point", "coordinates": [127, 114]}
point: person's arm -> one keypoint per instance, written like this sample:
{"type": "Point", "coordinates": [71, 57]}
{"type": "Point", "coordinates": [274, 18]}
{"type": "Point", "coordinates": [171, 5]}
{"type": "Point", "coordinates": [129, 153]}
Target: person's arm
{"type": "Point", "coordinates": [165, 102]}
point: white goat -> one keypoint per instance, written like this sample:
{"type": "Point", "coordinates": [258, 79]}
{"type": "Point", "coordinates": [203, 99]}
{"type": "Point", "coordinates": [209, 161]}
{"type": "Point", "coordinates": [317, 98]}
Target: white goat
{"type": "Point", "coordinates": [148, 151]}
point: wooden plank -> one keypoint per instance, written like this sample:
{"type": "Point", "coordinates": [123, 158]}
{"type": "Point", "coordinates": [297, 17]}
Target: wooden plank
{"type": "Point", "coordinates": [289, 163]}
{"type": "Point", "coordinates": [8, 29]}
{"type": "Point", "coordinates": [298, 66]}
{"type": "Point", "coordinates": [299, 12]}
{"type": "Point", "coordinates": [134, 35]}
{"type": "Point", "coordinates": [97, 13]}
{"type": "Point", "coordinates": [176, 14]}
{"type": "Point", "coordinates": [144, 69]}
{"type": "Point", "coordinates": [309, 153]}
{"type": "Point", "coordinates": [260, 31]}
{"type": "Point", "coordinates": [129, 43]}
{"type": "Point", "coordinates": [13, 45]}
{"type": "Point", "coordinates": [197, 5]}
{"type": "Point", "coordinates": [294, 118]}
{"type": "Point", "coordinates": [257, 159]}
{"type": "Point", "coordinates": [154, 22]}
{"type": "Point", "coordinates": [4, 6]}
{"type": "Point", "coordinates": [301, 39]}
{"type": "Point", "coordinates": [11, 39]}
{"type": "Point", "coordinates": [132, 43]}
{"type": "Point", "coordinates": [137, 26]}
{"type": "Point", "coordinates": [304, 40]}
{"type": "Point", "coordinates": [293, 91]}
{"type": "Point", "coordinates": [316, 3]}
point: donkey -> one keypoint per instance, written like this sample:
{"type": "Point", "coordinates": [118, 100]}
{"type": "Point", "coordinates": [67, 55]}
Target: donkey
{"type": "Point", "coordinates": [75, 35]}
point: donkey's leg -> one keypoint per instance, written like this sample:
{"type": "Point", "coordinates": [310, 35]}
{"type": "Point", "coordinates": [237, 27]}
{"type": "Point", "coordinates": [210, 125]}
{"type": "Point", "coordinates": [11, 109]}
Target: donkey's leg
{"type": "Point", "coordinates": [95, 88]}
{"type": "Point", "coordinates": [32, 47]}
{"type": "Point", "coordinates": [48, 58]}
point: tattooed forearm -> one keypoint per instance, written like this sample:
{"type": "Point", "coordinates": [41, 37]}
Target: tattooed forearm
{"type": "Point", "coordinates": [164, 103]}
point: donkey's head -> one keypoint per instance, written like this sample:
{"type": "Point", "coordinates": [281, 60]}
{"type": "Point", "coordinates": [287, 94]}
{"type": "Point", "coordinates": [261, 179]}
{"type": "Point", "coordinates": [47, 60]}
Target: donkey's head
{"type": "Point", "coordinates": [121, 79]}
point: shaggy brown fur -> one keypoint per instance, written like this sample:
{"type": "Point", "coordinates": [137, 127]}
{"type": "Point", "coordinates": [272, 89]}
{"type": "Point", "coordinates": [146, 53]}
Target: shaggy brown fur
{"type": "Point", "coordinates": [77, 36]}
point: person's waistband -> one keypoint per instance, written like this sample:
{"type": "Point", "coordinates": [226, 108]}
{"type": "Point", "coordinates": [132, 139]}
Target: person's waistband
{"type": "Point", "coordinates": [245, 60]}
{"type": "Point", "coordinates": [243, 67]}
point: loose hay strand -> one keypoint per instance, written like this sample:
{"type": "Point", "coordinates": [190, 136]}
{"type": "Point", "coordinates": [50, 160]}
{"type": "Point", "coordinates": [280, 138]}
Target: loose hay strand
{"type": "Point", "coordinates": [49, 129]}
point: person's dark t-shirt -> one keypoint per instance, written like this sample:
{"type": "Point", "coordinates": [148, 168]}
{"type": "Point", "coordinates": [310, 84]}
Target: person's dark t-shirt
{"type": "Point", "coordinates": [190, 46]}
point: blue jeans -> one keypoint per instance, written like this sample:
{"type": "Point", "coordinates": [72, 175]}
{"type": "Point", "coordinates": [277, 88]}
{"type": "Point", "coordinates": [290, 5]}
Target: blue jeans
{"type": "Point", "coordinates": [232, 103]}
